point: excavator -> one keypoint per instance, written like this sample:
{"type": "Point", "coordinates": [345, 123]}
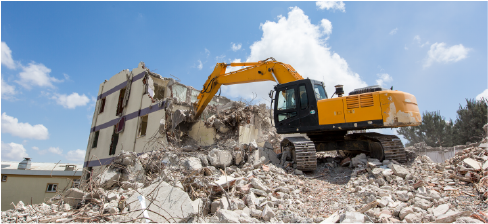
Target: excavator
{"type": "Point", "coordinates": [303, 106]}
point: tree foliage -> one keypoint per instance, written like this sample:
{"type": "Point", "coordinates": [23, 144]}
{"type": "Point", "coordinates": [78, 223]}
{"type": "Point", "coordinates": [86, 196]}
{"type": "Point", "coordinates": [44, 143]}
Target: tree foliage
{"type": "Point", "coordinates": [470, 121]}
{"type": "Point", "coordinates": [436, 131]}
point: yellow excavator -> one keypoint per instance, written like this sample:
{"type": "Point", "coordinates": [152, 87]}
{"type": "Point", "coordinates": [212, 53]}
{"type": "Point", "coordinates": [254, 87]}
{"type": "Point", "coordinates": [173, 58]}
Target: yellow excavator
{"type": "Point", "coordinates": [303, 106]}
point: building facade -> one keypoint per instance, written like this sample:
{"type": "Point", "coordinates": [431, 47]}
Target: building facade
{"type": "Point", "coordinates": [36, 182]}
{"type": "Point", "coordinates": [131, 114]}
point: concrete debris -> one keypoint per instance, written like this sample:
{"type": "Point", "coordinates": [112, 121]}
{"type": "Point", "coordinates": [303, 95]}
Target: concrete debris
{"type": "Point", "coordinates": [231, 182]}
{"type": "Point", "coordinates": [220, 158]}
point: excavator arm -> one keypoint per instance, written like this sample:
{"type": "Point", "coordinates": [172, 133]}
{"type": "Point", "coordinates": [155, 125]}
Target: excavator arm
{"type": "Point", "coordinates": [266, 70]}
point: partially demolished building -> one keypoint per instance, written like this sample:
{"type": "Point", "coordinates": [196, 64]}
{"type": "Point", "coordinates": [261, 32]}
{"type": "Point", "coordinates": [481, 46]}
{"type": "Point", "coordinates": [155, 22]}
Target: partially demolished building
{"type": "Point", "coordinates": [132, 108]}
{"type": "Point", "coordinates": [134, 112]}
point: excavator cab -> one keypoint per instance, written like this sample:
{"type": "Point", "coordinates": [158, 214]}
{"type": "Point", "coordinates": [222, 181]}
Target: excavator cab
{"type": "Point", "coordinates": [296, 105]}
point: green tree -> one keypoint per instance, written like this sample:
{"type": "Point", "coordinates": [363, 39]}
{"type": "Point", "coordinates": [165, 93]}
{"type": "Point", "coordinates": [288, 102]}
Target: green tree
{"type": "Point", "coordinates": [434, 131]}
{"type": "Point", "coordinates": [470, 121]}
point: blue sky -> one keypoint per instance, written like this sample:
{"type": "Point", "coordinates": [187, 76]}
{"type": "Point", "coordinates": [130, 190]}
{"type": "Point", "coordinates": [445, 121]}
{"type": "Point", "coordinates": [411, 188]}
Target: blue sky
{"type": "Point", "coordinates": [55, 55]}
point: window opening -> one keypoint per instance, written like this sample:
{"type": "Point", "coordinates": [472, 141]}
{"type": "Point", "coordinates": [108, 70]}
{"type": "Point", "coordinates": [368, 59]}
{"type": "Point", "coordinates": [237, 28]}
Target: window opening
{"type": "Point", "coordinates": [115, 140]}
{"type": "Point", "coordinates": [51, 187]}
{"type": "Point", "coordinates": [158, 91]}
{"type": "Point", "coordinates": [303, 97]}
{"type": "Point", "coordinates": [88, 173]}
{"type": "Point", "coordinates": [120, 104]}
{"type": "Point", "coordinates": [286, 99]}
{"type": "Point", "coordinates": [95, 139]}
{"type": "Point", "coordinates": [143, 126]}
{"type": "Point", "coordinates": [102, 105]}
{"type": "Point", "coordinates": [76, 183]}
{"type": "Point", "coordinates": [320, 92]}
{"type": "Point", "coordinates": [4, 178]}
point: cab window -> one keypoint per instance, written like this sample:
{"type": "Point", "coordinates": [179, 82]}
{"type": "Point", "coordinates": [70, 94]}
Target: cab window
{"type": "Point", "coordinates": [286, 99]}
{"type": "Point", "coordinates": [303, 97]}
{"type": "Point", "coordinates": [320, 93]}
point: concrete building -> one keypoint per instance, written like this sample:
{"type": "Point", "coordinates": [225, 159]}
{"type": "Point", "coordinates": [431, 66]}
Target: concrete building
{"type": "Point", "coordinates": [36, 182]}
{"type": "Point", "coordinates": [132, 113]}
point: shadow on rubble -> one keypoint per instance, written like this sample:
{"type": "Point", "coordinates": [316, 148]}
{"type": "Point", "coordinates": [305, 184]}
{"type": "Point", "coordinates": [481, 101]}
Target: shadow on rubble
{"type": "Point", "coordinates": [330, 170]}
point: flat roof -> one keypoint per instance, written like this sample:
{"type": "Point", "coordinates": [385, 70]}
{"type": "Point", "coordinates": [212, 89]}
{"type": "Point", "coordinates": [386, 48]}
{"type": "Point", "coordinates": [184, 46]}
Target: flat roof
{"type": "Point", "coordinates": [42, 169]}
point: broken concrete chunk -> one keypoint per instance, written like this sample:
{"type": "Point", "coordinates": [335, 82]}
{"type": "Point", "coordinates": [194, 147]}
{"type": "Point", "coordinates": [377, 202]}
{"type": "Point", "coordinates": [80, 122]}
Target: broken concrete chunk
{"type": "Point", "coordinates": [73, 196]}
{"type": "Point", "coordinates": [352, 217]}
{"type": "Point", "coordinates": [334, 218]}
{"type": "Point", "coordinates": [359, 160]}
{"type": "Point", "coordinates": [258, 184]}
{"type": "Point", "coordinates": [472, 163]}
{"type": "Point", "coordinates": [166, 199]}
{"type": "Point", "coordinates": [226, 216]}
{"type": "Point", "coordinates": [220, 158]}
{"type": "Point", "coordinates": [399, 170]}
{"type": "Point", "coordinates": [192, 163]}
{"type": "Point", "coordinates": [109, 178]}
{"type": "Point", "coordinates": [404, 212]}
{"type": "Point", "coordinates": [413, 218]}
{"type": "Point", "coordinates": [451, 216]}
{"type": "Point", "coordinates": [247, 219]}
{"type": "Point", "coordinates": [402, 195]}
{"type": "Point", "coordinates": [267, 214]}
{"type": "Point", "coordinates": [422, 203]}
{"type": "Point", "coordinates": [440, 210]}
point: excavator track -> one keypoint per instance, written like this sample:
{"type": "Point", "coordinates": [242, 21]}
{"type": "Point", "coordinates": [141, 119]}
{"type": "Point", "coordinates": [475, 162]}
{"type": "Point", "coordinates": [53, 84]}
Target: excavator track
{"type": "Point", "coordinates": [303, 152]}
{"type": "Point", "coordinates": [392, 146]}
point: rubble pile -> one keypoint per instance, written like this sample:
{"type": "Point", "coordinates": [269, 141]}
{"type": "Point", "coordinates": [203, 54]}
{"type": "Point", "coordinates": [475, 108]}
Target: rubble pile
{"type": "Point", "coordinates": [228, 118]}
{"type": "Point", "coordinates": [231, 183]}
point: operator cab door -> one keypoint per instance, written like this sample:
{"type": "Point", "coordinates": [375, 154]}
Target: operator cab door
{"type": "Point", "coordinates": [295, 107]}
{"type": "Point", "coordinates": [308, 107]}
{"type": "Point", "coordinates": [286, 109]}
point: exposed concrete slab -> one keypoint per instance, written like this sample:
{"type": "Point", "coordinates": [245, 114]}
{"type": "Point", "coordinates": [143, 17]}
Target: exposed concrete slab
{"type": "Point", "coordinates": [247, 134]}
{"type": "Point", "coordinates": [473, 163]}
{"type": "Point", "coordinates": [203, 135]}
{"type": "Point", "coordinates": [171, 202]}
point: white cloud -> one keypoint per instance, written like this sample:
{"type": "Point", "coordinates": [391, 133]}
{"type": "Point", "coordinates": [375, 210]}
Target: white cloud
{"type": "Point", "coordinates": [35, 148]}
{"type": "Point", "coordinates": [417, 38]}
{"type": "Point", "coordinates": [440, 53]}
{"type": "Point", "coordinates": [200, 65]}
{"type": "Point", "coordinates": [220, 58]}
{"type": "Point", "coordinates": [24, 130]}
{"type": "Point", "coordinates": [207, 52]}
{"type": "Point", "coordinates": [36, 74]}
{"type": "Point", "coordinates": [55, 150]}
{"type": "Point", "coordinates": [327, 26]}
{"type": "Point", "coordinates": [236, 47]}
{"type": "Point", "coordinates": [406, 48]}
{"type": "Point", "coordinates": [331, 5]}
{"type": "Point", "coordinates": [383, 79]}
{"type": "Point", "coordinates": [394, 31]}
{"type": "Point", "coordinates": [71, 101]}
{"type": "Point", "coordinates": [7, 59]}
{"type": "Point", "coordinates": [13, 152]}
{"type": "Point", "coordinates": [7, 90]}
{"type": "Point", "coordinates": [76, 155]}
{"type": "Point", "coordinates": [298, 42]}
{"type": "Point", "coordinates": [484, 94]}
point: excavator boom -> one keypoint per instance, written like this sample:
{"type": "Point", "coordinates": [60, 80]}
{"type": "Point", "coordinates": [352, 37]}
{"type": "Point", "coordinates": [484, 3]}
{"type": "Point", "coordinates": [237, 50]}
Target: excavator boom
{"type": "Point", "coordinates": [266, 70]}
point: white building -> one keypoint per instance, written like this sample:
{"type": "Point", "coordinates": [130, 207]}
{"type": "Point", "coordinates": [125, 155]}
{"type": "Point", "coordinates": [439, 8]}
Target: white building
{"type": "Point", "coordinates": [36, 182]}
